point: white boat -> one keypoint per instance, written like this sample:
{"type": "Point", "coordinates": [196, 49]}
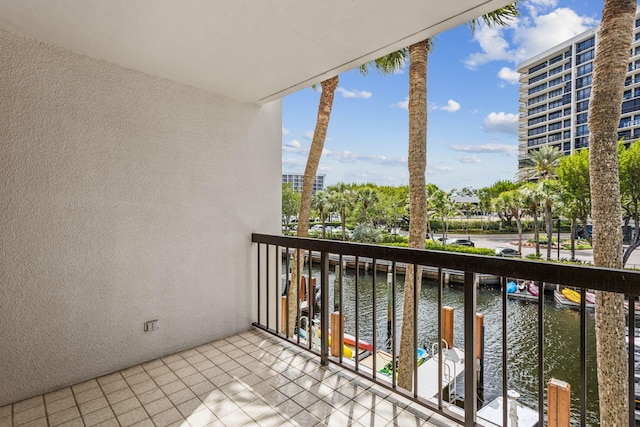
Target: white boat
{"type": "Point", "coordinates": [517, 414]}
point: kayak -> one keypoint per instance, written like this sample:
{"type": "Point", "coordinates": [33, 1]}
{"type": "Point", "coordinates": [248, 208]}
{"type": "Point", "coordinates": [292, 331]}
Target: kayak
{"type": "Point", "coordinates": [533, 289]}
{"type": "Point", "coordinates": [571, 295]}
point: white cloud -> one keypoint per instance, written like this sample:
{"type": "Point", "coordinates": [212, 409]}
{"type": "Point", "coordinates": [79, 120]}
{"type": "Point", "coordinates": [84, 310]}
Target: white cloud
{"type": "Point", "coordinates": [351, 157]}
{"type": "Point", "coordinates": [285, 131]}
{"type": "Point", "coordinates": [532, 33]}
{"type": "Point", "coordinates": [510, 150]}
{"type": "Point", "coordinates": [363, 94]}
{"type": "Point", "coordinates": [308, 135]}
{"type": "Point", "coordinates": [502, 122]}
{"type": "Point", "coordinates": [293, 164]}
{"type": "Point", "coordinates": [509, 75]}
{"type": "Point", "coordinates": [467, 159]}
{"type": "Point", "coordinates": [294, 147]}
{"type": "Point", "coordinates": [292, 144]}
{"type": "Point", "coordinates": [452, 106]}
{"type": "Point", "coordinates": [402, 104]}
{"type": "Point", "coordinates": [436, 168]}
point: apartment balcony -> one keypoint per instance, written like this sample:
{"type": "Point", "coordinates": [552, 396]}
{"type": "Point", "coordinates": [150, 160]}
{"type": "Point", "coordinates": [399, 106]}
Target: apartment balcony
{"type": "Point", "coordinates": [248, 379]}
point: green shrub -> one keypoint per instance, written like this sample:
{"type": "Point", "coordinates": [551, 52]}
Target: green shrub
{"type": "Point", "coordinates": [449, 248]}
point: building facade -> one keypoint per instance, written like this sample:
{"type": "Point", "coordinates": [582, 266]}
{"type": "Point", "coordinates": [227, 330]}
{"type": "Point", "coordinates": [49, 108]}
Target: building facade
{"type": "Point", "coordinates": [555, 87]}
{"type": "Point", "coordinates": [297, 179]}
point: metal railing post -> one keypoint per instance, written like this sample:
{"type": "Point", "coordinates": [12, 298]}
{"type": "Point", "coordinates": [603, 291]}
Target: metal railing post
{"type": "Point", "coordinates": [470, 391]}
{"type": "Point", "coordinates": [324, 308]}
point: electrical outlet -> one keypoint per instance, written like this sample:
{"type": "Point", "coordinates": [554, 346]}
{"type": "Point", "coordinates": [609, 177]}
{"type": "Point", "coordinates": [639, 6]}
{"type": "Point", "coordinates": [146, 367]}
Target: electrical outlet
{"type": "Point", "coordinates": [151, 325]}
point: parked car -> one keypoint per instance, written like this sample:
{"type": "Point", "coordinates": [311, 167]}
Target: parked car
{"type": "Point", "coordinates": [460, 242]}
{"type": "Point", "coordinates": [580, 234]}
{"type": "Point", "coordinates": [507, 252]}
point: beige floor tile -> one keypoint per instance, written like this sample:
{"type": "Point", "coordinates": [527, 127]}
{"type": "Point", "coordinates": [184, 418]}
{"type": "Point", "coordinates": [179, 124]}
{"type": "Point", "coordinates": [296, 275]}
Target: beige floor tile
{"type": "Point", "coordinates": [152, 364]}
{"type": "Point", "coordinates": [126, 405]}
{"type": "Point", "coordinates": [202, 387]}
{"type": "Point", "coordinates": [40, 422]}
{"type": "Point", "coordinates": [28, 415]}
{"type": "Point", "coordinates": [98, 416]}
{"type": "Point", "coordinates": [166, 378]}
{"type": "Point", "coordinates": [185, 371]}
{"type": "Point", "coordinates": [107, 379]}
{"type": "Point", "coordinates": [88, 395]}
{"type": "Point", "coordinates": [60, 404]}
{"type": "Point", "coordinates": [28, 404]}
{"type": "Point", "coordinates": [173, 387]}
{"type": "Point", "coordinates": [137, 378]}
{"type": "Point", "coordinates": [134, 370]}
{"type": "Point", "coordinates": [167, 417]}
{"type": "Point", "coordinates": [150, 396]}
{"type": "Point", "coordinates": [158, 371]}
{"type": "Point", "coordinates": [76, 422]}
{"type": "Point", "coordinates": [158, 406]}
{"type": "Point", "coordinates": [6, 421]}
{"type": "Point", "coordinates": [5, 411]}
{"type": "Point", "coordinates": [111, 422]}
{"type": "Point", "coordinates": [190, 406]}
{"type": "Point", "coordinates": [120, 395]}
{"type": "Point", "coordinates": [93, 405]}
{"type": "Point", "coordinates": [144, 423]}
{"type": "Point", "coordinates": [204, 365]}
{"type": "Point", "coordinates": [202, 417]}
{"type": "Point", "coordinates": [58, 394]}
{"type": "Point", "coordinates": [143, 387]}
{"type": "Point", "coordinates": [236, 418]}
{"type": "Point", "coordinates": [132, 417]}
{"type": "Point", "coordinates": [84, 386]}
{"type": "Point", "coordinates": [113, 386]}
{"type": "Point", "coordinates": [172, 358]}
{"type": "Point", "coordinates": [64, 416]}
{"type": "Point", "coordinates": [181, 396]}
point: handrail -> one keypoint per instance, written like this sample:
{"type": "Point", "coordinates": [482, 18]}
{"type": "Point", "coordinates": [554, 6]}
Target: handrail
{"type": "Point", "coordinates": [626, 282]}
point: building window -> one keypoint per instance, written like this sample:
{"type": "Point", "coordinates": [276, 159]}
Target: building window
{"type": "Point", "coordinates": [566, 134]}
{"type": "Point", "coordinates": [537, 131]}
{"type": "Point", "coordinates": [581, 118]}
{"type": "Point", "coordinates": [555, 81]}
{"type": "Point", "coordinates": [537, 120]}
{"type": "Point", "coordinates": [555, 126]}
{"type": "Point", "coordinates": [583, 93]}
{"type": "Point", "coordinates": [536, 141]}
{"type": "Point", "coordinates": [586, 81]}
{"type": "Point", "coordinates": [555, 115]}
{"type": "Point", "coordinates": [555, 93]}
{"type": "Point", "coordinates": [555, 104]}
{"type": "Point", "coordinates": [538, 88]}
{"type": "Point", "coordinates": [583, 106]}
{"type": "Point", "coordinates": [589, 43]}
{"type": "Point", "coordinates": [585, 69]}
{"type": "Point", "coordinates": [538, 78]}
{"type": "Point", "coordinates": [537, 67]}
{"type": "Point", "coordinates": [537, 110]}
{"type": "Point", "coordinates": [582, 130]}
{"type": "Point", "coordinates": [555, 59]}
{"type": "Point", "coordinates": [581, 142]}
{"type": "Point", "coordinates": [555, 71]}
{"type": "Point", "coordinates": [567, 111]}
{"type": "Point", "coordinates": [585, 57]}
{"type": "Point", "coordinates": [555, 137]}
{"type": "Point", "coordinates": [537, 99]}
{"type": "Point", "coordinates": [626, 94]}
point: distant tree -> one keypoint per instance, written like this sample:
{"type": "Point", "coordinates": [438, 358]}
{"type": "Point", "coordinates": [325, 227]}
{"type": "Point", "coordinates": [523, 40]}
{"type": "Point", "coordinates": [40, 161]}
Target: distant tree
{"type": "Point", "coordinates": [319, 202]}
{"type": "Point", "coordinates": [290, 203]}
{"type": "Point", "coordinates": [629, 159]}
{"type": "Point", "coordinates": [514, 202]}
{"type": "Point", "coordinates": [366, 233]}
{"type": "Point", "coordinates": [549, 189]}
{"type": "Point", "coordinates": [532, 197]}
{"type": "Point", "coordinates": [487, 194]}
{"type": "Point", "coordinates": [340, 200]}
{"type": "Point", "coordinates": [443, 208]}
{"type": "Point", "coordinates": [366, 197]}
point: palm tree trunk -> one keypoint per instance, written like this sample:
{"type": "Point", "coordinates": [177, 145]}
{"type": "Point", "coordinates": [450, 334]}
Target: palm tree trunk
{"type": "Point", "coordinates": [536, 231]}
{"type": "Point", "coordinates": [417, 163]}
{"type": "Point", "coordinates": [549, 226]}
{"type": "Point", "coordinates": [610, 69]}
{"type": "Point", "coordinates": [317, 144]}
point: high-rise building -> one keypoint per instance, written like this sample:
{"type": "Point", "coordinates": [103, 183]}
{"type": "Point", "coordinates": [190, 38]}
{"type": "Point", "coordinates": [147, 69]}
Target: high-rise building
{"type": "Point", "coordinates": [555, 87]}
{"type": "Point", "coordinates": [297, 178]}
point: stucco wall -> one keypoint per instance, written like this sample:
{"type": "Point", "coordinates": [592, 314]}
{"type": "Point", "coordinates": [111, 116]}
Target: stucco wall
{"type": "Point", "coordinates": [124, 198]}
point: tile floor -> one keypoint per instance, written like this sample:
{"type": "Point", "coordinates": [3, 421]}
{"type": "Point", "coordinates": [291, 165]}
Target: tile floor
{"type": "Point", "coordinates": [249, 379]}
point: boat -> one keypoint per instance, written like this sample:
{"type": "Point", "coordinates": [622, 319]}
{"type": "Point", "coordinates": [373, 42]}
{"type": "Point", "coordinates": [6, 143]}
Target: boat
{"type": "Point", "coordinates": [523, 290]}
{"type": "Point", "coordinates": [571, 295]}
{"type": "Point", "coordinates": [562, 298]}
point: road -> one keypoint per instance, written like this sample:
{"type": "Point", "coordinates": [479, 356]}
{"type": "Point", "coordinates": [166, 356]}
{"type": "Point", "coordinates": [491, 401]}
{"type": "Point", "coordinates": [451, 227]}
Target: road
{"type": "Point", "coordinates": [511, 241]}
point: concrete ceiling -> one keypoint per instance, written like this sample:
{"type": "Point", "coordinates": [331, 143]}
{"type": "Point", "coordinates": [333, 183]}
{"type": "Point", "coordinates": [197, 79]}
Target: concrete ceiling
{"type": "Point", "coordinates": [249, 50]}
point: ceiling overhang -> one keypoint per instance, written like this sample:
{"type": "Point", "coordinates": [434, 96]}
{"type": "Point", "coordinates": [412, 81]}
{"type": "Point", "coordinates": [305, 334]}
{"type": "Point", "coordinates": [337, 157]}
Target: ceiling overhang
{"type": "Point", "coordinates": [249, 50]}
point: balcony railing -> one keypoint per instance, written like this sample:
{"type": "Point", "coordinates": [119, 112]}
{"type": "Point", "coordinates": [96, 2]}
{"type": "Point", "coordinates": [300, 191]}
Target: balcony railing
{"type": "Point", "coordinates": [487, 276]}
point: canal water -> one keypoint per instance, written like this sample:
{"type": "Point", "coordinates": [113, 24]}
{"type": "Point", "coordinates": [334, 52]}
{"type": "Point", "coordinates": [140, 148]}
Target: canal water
{"type": "Point", "coordinates": [561, 335]}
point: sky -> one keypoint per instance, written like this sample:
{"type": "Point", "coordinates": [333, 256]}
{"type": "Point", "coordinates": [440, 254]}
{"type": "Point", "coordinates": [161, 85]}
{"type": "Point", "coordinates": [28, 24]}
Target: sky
{"type": "Point", "coordinates": [472, 96]}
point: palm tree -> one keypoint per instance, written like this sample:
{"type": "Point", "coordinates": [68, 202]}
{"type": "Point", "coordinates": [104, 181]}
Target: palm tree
{"type": "Point", "coordinates": [367, 196]}
{"type": "Point", "coordinates": [609, 73]}
{"type": "Point", "coordinates": [550, 192]}
{"type": "Point", "coordinates": [417, 164]}
{"type": "Point", "coordinates": [340, 199]}
{"type": "Point", "coordinates": [532, 198]}
{"type": "Point", "coordinates": [542, 164]}
{"type": "Point", "coordinates": [319, 203]}
{"type": "Point", "coordinates": [542, 167]}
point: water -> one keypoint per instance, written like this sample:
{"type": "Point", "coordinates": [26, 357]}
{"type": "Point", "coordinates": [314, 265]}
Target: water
{"type": "Point", "coordinates": [561, 343]}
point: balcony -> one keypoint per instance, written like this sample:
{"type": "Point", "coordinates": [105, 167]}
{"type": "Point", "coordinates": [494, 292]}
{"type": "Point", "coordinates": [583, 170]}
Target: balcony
{"type": "Point", "coordinates": [481, 283]}
{"type": "Point", "coordinates": [251, 378]}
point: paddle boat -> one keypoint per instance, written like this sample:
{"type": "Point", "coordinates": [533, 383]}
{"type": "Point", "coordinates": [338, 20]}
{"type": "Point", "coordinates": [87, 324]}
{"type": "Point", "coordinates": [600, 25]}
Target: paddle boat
{"type": "Point", "coordinates": [523, 290]}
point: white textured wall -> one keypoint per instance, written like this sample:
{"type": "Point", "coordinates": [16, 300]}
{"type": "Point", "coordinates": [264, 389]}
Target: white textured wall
{"type": "Point", "coordinates": [123, 198]}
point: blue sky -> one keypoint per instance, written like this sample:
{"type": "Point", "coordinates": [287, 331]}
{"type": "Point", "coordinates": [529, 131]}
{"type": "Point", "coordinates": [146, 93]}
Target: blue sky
{"type": "Point", "coordinates": [472, 93]}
